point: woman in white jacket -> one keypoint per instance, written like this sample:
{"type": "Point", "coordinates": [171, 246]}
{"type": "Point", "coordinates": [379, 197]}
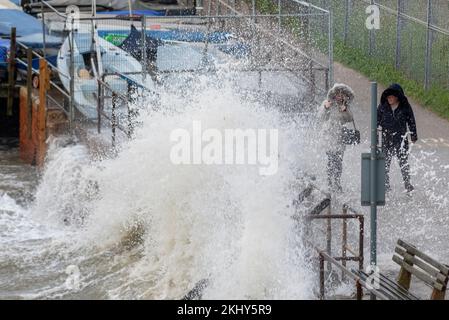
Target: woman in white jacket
{"type": "Point", "coordinates": [335, 112]}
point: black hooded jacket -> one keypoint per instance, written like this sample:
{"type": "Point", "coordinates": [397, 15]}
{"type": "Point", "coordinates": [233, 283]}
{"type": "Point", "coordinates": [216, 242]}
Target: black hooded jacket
{"type": "Point", "coordinates": [394, 123]}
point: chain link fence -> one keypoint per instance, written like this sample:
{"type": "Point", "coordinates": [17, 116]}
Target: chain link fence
{"type": "Point", "coordinates": [413, 35]}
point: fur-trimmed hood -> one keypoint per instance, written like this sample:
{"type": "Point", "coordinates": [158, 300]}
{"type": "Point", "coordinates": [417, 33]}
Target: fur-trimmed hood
{"type": "Point", "coordinates": [341, 88]}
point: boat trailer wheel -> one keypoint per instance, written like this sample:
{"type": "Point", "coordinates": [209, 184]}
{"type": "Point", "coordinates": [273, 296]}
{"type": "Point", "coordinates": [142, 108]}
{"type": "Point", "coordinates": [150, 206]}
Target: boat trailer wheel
{"type": "Point", "coordinates": [35, 81]}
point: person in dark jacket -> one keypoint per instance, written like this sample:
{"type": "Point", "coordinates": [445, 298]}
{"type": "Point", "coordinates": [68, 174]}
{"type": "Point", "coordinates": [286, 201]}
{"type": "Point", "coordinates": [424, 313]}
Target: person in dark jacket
{"type": "Point", "coordinates": [396, 119]}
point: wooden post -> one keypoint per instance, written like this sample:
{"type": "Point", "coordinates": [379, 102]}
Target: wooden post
{"type": "Point", "coordinates": [405, 278]}
{"type": "Point", "coordinates": [29, 91]}
{"type": "Point", "coordinates": [44, 83]}
{"type": "Point", "coordinates": [359, 290]}
{"type": "Point", "coordinates": [11, 72]}
{"type": "Point", "coordinates": [438, 295]}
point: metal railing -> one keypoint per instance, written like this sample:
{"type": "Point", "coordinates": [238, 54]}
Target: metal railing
{"type": "Point", "coordinates": [345, 248]}
{"type": "Point", "coordinates": [321, 210]}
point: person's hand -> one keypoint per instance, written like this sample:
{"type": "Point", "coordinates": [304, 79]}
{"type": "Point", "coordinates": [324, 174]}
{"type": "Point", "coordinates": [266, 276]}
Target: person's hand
{"type": "Point", "coordinates": [343, 108]}
{"type": "Point", "coordinates": [327, 104]}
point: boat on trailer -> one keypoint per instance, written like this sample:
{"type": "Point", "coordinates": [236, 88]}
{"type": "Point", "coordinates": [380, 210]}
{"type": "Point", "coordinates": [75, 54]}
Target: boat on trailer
{"type": "Point", "coordinates": [92, 61]}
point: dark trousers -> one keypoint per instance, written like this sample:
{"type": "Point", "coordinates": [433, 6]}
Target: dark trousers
{"type": "Point", "coordinates": [402, 155]}
{"type": "Point", "coordinates": [334, 169]}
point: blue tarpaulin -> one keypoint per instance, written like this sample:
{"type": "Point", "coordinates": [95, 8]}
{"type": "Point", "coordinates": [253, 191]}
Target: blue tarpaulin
{"type": "Point", "coordinates": [4, 48]}
{"type": "Point", "coordinates": [24, 23]}
{"type": "Point", "coordinates": [28, 29]}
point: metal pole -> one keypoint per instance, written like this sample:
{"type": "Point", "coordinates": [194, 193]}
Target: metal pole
{"type": "Point", "coordinates": [144, 48]}
{"type": "Point", "coordinates": [43, 29]}
{"type": "Point", "coordinates": [322, 287]}
{"type": "Point", "coordinates": [398, 36]}
{"type": "Point", "coordinates": [254, 10]}
{"type": "Point", "coordinates": [99, 104]}
{"type": "Point", "coordinates": [113, 117]}
{"type": "Point", "coordinates": [279, 15]}
{"type": "Point", "coordinates": [373, 174]}
{"type": "Point", "coordinates": [331, 51]}
{"type": "Point", "coordinates": [345, 241]}
{"type": "Point", "coordinates": [130, 9]}
{"type": "Point", "coordinates": [371, 37]}
{"type": "Point", "coordinates": [11, 72]}
{"type": "Point", "coordinates": [346, 28]}
{"type": "Point", "coordinates": [329, 237]}
{"type": "Point", "coordinates": [72, 77]}
{"type": "Point", "coordinates": [428, 45]}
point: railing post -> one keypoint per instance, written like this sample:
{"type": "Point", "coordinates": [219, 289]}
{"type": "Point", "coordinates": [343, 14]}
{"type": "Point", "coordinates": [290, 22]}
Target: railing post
{"type": "Point", "coordinates": [44, 31]}
{"type": "Point", "coordinates": [99, 105]}
{"type": "Point", "coordinates": [253, 11]}
{"type": "Point", "coordinates": [44, 78]}
{"type": "Point", "coordinates": [329, 237]}
{"type": "Point", "coordinates": [346, 27]}
{"type": "Point", "coordinates": [326, 80]}
{"type": "Point", "coordinates": [322, 287]}
{"type": "Point", "coordinates": [344, 244]}
{"type": "Point", "coordinates": [361, 241]}
{"type": "Point", "coordinates": [398, 36]}
{"type": "Point", "coordinates": [371, 37]}
{"type": "Point", "coordinates": [144, 48]}
{"type": "Point", "coordinates": [29, 91]}
{"type": "Point", "coordinates": [359, 290]}
{"type": "Point", "coordinates": [72, 76]}
{"type": "Point", "coordinates": [11, 72]}
{"type": "Point", "coordinates": [279, 15]}
{"type": "Point", "coordinates": [130, 124]}
{"type": "Point", "coordinates": [113, 117]}
{"type": "Point", "coordinates": [331, 50]}
{"type": "Point", "coordinates": [428, 45]}
{"type": "Point", "coordinates": [361, 255]}
{"type": "Point", "coordinates": [312, 81]}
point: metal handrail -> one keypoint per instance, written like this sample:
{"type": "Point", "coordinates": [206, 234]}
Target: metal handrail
{"type": "Point", "coordinates": [52, 66]}
{"type": "Point", "coordinates": [359, 281]}
{"type": "Point", "coordinates": [310, 5]}
{"type": "Point", "coordinates": [53, 9]}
